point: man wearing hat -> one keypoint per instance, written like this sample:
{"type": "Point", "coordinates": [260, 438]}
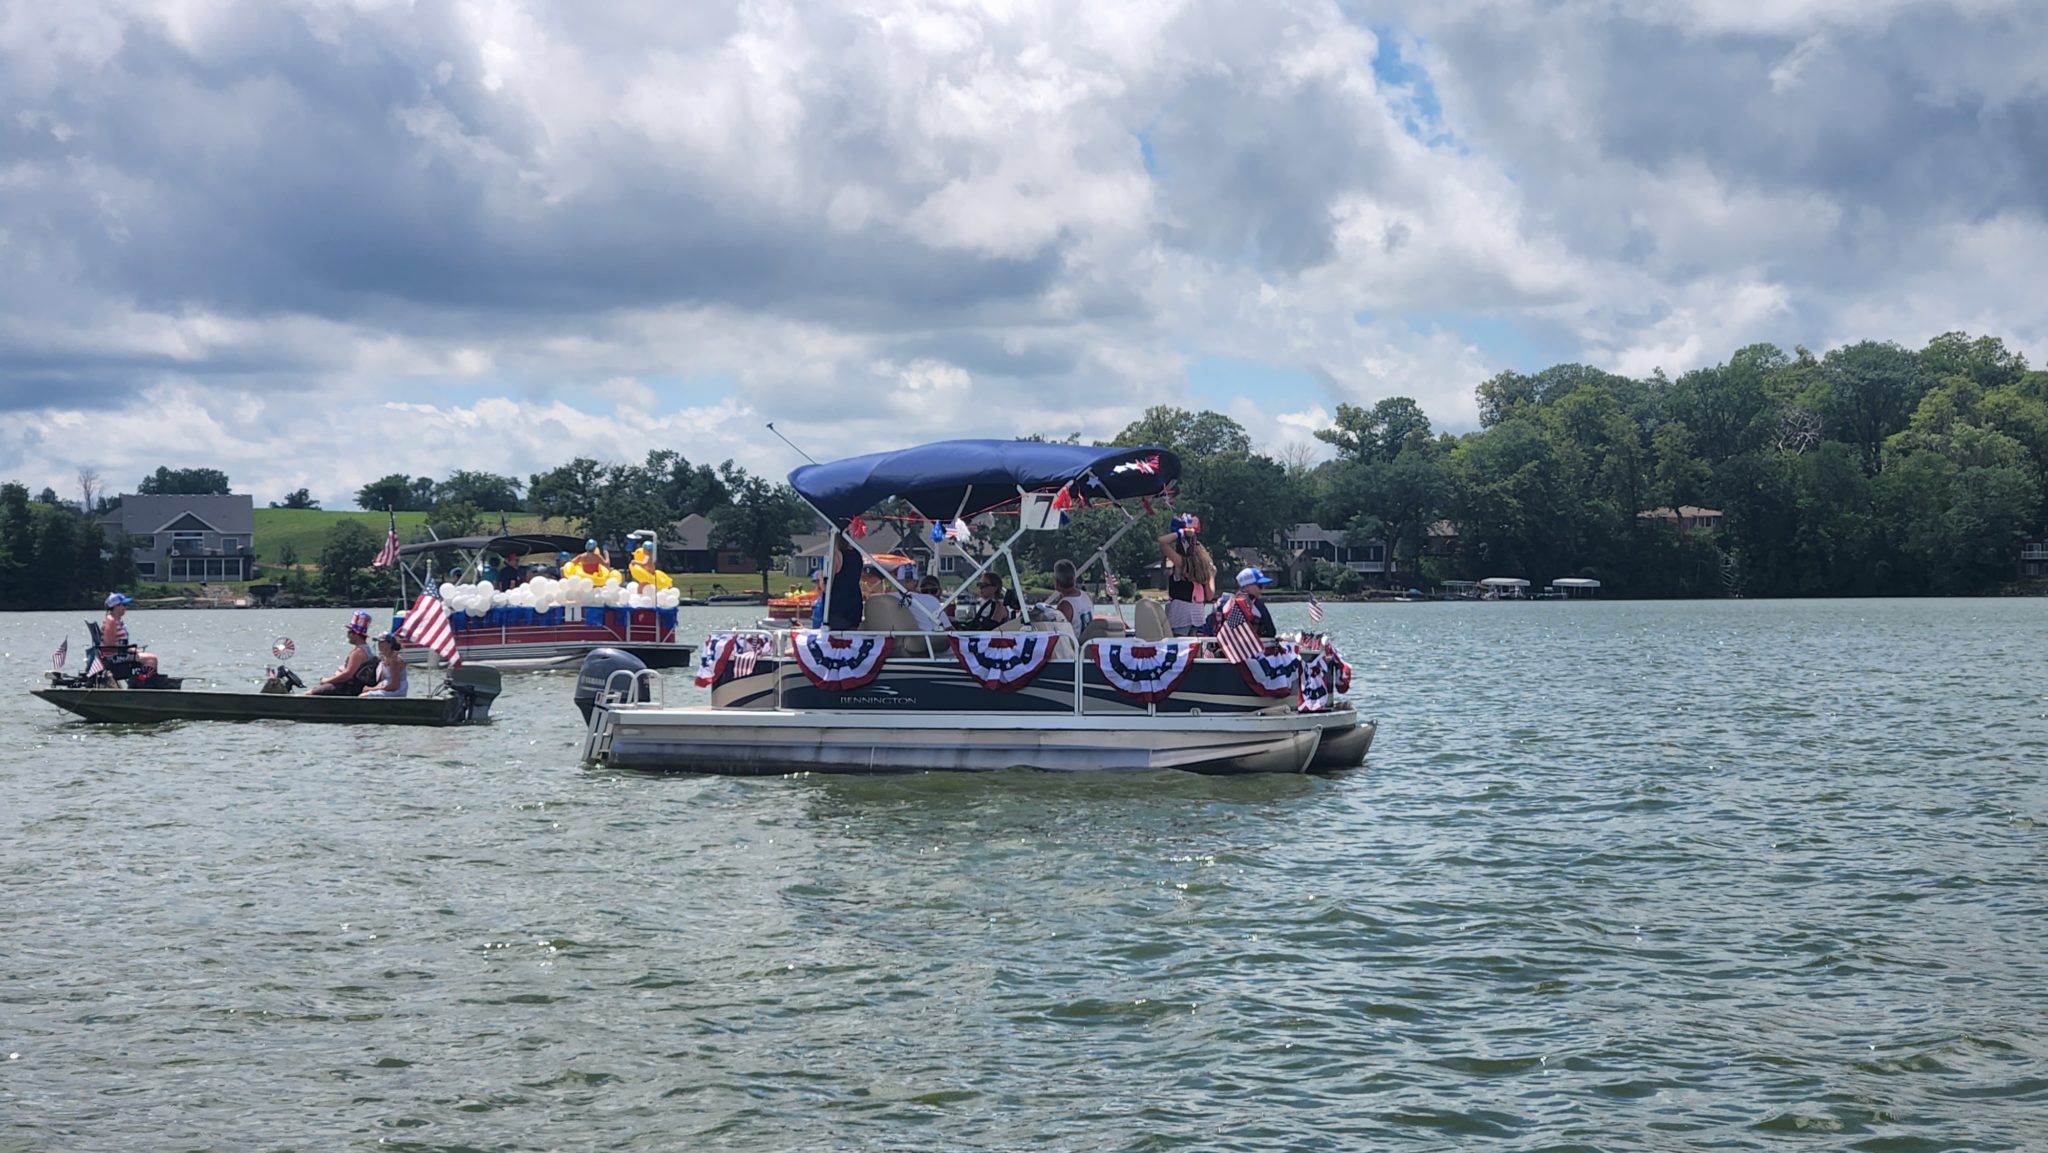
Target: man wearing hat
{"type": "Point", "coordinates": [1250, 580]}
{"type": "Point", "coordinates": [114, 632]}
{"type": "Point", "coordinates": [347, 681]}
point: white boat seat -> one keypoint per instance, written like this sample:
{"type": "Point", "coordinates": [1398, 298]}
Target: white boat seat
{"type": "Point", "coordinates": [1152, 624]}
{"type": "Point", "coordinates": [1099, 628]}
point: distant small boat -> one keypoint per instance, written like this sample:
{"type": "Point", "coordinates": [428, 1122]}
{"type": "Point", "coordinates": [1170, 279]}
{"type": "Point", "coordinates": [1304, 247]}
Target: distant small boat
{"type": "Point", "coordinates": [734, 599]}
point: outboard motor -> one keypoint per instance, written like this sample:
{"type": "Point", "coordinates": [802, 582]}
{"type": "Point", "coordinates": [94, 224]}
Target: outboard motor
{"type": "Point", "coordinates": [597, 670]}
{"type": "Point", "coordinates": [476, 687]}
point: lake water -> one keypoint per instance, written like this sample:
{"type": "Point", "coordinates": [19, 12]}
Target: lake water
{"type": "Point", "coordinates": [1617, 876]}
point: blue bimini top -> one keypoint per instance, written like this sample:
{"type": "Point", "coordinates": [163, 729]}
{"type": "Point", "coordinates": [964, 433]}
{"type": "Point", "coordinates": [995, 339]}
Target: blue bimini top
{"type": "Point", "coordinates": [965, 477]}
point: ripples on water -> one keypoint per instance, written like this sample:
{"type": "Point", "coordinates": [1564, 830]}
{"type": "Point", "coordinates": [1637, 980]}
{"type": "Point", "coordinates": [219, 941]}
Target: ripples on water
{"type": "Point", "coordinates": [1618, 876]}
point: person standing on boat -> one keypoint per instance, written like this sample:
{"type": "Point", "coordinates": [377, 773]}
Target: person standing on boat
{"type": "Point", "coordinates": [1077, 606]}
{"type": "Point", "coordinates": [114, 632]}
{"type": "Point", "coordinates": [1250, 581]}
{"type": "Point", "coordinates": [1190, 576]}
{"type": "Point", "coordinates": [842, 591]}
{"type": "Point", "coordinates": [347, 681]}
{"type": "Point", "coordinates": [390, 669]}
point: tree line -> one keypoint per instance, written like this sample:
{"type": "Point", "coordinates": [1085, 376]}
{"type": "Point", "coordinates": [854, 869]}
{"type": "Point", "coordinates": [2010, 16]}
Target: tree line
{"type": "Point", "coordinates": [1873, 469]}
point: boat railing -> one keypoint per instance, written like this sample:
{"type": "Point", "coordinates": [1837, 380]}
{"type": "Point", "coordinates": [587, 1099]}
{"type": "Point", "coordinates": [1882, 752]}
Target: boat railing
{"type": "Point", "coordinates": [781, 643]}
{"type": "Point", "coordinates": [623, 688]}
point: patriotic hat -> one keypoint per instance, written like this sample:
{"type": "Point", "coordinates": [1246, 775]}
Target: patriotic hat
{"type": "Point", "coordinates": [1252, 576]}
{"type": "Point", "coordinates": [359, 623]}
{"type": "Point", "coordinates": [1187, 523]}
{"type": "Point", "coordinates": [117, 599]}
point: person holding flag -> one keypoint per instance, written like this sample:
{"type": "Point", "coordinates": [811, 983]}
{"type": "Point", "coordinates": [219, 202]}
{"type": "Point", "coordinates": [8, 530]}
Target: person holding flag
{"type": "Point", "coordinates": [1247, 602]}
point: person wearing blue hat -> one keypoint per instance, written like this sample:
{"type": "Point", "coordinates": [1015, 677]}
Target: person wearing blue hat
{"type": "Point", "coordinates": [114, 634]}
{"type": "Point", "coordinates": [1250, 581]}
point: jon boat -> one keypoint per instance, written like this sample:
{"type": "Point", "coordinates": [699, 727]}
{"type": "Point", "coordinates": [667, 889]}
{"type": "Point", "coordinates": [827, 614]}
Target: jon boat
{"type": "Point", "coordinates": [465, 698]}
{"type": "Point", "coordinates": [889, 698]}
{"type": "Point", "coordinates": [513, 638]}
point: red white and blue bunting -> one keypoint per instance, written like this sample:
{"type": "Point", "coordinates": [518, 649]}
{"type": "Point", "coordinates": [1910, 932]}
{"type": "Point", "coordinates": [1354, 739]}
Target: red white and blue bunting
{"type": "Point", "coordinates": [734, 652]}
{"type": "Point", "coordinates": [1146, 671]}
{"type": "Point", "coordinates": [838, 662]}
{"type": "Point", "coordinates": [1271, 673]}
{"type": "Point", "coordinates": [1315, 685]}
{"type": "Point", "coordinates": [1339, 670]}
{"type": "Point", "coordinates": [1003, 662]}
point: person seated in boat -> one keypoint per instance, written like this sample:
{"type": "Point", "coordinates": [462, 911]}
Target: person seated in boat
{"type": "Point", "coordinates": [1190, 576]}
{"type": "Point", "coordinates": [1250, 580]}
{"type": "Point", "coordinates": [114, 639]}
{"type": "Point", "coordinates": [356, 667]}
{"type": "Point", "coordinates": [591, 562]}
{"type": "Point", "coordinates": [390, 669]}
{"type": "Point", "coordinates": [925, 609]}
{"type": "Point", "coordinates": [1067, 598]}
{"type": "Point", "coordinates": [843, 593]}
{"type": "Point", "coordinates": [997, 605]}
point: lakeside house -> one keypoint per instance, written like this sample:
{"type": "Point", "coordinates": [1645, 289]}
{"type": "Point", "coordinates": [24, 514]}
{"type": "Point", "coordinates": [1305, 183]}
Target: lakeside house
{"type": "Point", "coordinates": [1685, 518]}
{"type": "Point", "coordinates": [1309, 542]}
{"type": "Point", "coordinates": [2034, 559]}
{"type": "Point", "coordinates": [947, 558]}
{"type": "Point", "coordinates": [687, 548]}
{"type": "Point", "coordinates": [186, 538]}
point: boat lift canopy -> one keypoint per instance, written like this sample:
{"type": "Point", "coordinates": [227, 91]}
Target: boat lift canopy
{"type": "Point", "coordinates": [940, 479]}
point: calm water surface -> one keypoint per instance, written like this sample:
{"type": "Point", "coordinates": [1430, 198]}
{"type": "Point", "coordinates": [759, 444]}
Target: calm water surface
{"type": "Point", "coordinates": [1618, 876]}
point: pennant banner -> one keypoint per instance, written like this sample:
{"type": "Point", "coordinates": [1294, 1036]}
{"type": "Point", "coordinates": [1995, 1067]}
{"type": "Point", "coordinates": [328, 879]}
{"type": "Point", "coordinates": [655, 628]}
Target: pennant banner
{"type": "Point", "coordinates": [1146, 671]}
{"type": "Point", "coordinates": [838, 662]}
{"type": "Point", "coordinates": [1271, 672]}
{"type": "Point", "coordinates": [1003, 662]}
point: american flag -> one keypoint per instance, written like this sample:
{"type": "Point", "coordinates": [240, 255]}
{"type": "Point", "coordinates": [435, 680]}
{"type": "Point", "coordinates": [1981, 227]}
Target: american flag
{"type": "Point", "coordinates": [93, 667]}
{"type": "Point", "coordinates": [1315, 610]}
{"type": "Point", "coordinates": [389, 556]}
{"type": "Point", "coordinates": [62, 654]}
{"type": "Point", "coordinates": [427, 625]}
{"type": "Point", "coordinates": [1109, 589]}
{"type": "Point", "coordinates": [745, 654]}
{"type": "Point", "coordinates": [1235, 633]}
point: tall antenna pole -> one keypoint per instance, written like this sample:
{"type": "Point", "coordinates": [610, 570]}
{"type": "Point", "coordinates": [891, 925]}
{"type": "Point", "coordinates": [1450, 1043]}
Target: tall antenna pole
{"type": "Point", "coordinates": [789, 442]}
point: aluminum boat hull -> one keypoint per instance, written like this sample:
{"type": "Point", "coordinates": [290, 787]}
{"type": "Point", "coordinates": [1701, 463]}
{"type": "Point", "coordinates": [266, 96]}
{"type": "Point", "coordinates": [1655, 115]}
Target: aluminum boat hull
{"type": "Point", "coordinates": [755, 742]}
{"type": "Point", "coordinates": [117, 706]}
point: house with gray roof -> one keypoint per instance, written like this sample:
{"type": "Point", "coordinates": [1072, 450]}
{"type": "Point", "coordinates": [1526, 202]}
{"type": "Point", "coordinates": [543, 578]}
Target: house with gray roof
{"type": "Point", "coordinates": [179, 538]}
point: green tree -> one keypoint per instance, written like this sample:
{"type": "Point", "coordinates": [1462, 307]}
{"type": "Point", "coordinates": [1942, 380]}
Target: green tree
{"type": "Point", "coordinates": [486, 491]}
{"type": "Point", "coordinates": [184, 481]}
{"type": "Point", "coordinates": [395, 492]}
{"type": "Point", "coordinates": [297, 498]}
{"type": "Point", "coordinates": [567, 492]}
{"type": "Point", "coordinates": [1379, 433]}
{"type": "Point", "coordinates": [760, 520]}
{"type": "Point", "coordinates": [1188, 434]}
{"type": "Point", "coordinates": [350, 548]}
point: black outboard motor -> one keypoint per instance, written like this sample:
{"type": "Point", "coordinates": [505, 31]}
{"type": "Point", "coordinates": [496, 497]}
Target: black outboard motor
{"type": "Point", "coordinates": [476, 687]}
{"type": "Point", "coordinates": [598, 667]}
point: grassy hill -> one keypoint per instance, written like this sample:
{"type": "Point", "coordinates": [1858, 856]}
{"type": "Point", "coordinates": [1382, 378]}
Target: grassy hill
{"type": "Point", "coordinates": [307, 529]}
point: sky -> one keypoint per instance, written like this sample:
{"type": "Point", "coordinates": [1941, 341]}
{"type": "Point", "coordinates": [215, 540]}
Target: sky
{"type": "Point", "coordinates": [313, 242]}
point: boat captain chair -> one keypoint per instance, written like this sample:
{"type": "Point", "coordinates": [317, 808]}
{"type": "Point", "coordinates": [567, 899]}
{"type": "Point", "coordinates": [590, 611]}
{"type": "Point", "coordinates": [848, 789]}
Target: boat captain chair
{"type": "Point", "coordinates": [1102, 628]}
{"type": "Point", "coordinates": [886, 613]}
{"type": "Point", "coordinates": [1152, 624]}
